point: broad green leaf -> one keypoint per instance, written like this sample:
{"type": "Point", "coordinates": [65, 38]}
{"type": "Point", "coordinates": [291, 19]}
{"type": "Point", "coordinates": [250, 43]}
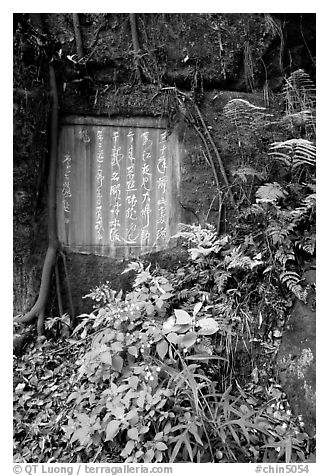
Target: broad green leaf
{"type": "Point", "coordinates": [183, 328]}
{"type": "Point", "coordinates": [167, 428]}
{"type": "Point", "coordinates": [133, 434]}
{"type": "Point", "coordinates": [159, 303]}
{"type": "Point", "coordinates": [128, 448]}
{"type": "Point", "coordinates": [83, 419]}
{"type": "Point", "coordinates": [116, 347]}
{"type": "Point", "coordinates": [141, 399]}
{"type": "Point", "coordinates": [157, 335]}
{"type": "Point", "coordinates": [143, 430]}
{"type": "Point", "coordinates": [122, 388]}
{"type": "Point", "coordinates": [208, 326]}
{"type": "Point", "coordinates": [120, 336]}
{"type": "Point", "coordinates": [167, 287]}
{"type": "Point", "coordinates": [133, 382]}
{"type": "Point", "coordinates": [172, 337]}
{"type": "Point", "coordinates": [166, 296]}
{"type": "Point", "coordinates": [189, 339]}
{"type": "Point", "coordinates": [149, 455]}
{"type": "Point", "coordinates": [133, 414]}
{"type": "Point", "coordinates": [158, 436]}
{"type": "Point", "coordinates": [158, 456]}
{"type": "Point", "coordinates": [81, 434]}
{"type": "Point", "coordinates": [161, 446]}
{"type": "Point", "coordinates": [117, 363]}
{"type": "Point", "coordinates": [132, 350]}
{"type": "Point", "coordinates": [197, 308]}
{"type": "Point", "coordinates": [169, 324]}
{"type": "Point", "coordinates": [149, 309]}
{"type": "Point", "coordinates": [182, 317]}
{"type": "Point", "coordinates": [112, 430]}
{"type": "Point", "coordinates": [162, 349]}
{"type": "Point", "coordinates": [106, 357]}
{"type": "Point", "coordinates": [118, 411]}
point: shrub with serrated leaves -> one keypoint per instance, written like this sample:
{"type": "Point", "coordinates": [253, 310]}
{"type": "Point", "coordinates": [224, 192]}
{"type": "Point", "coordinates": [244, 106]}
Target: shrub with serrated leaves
{"type": "Point", "coordinates": [145, 375]}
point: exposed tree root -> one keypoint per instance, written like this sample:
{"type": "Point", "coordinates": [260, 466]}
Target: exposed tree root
{"type": "Point", "coordinates": [39, 308]}
{"type": "Point", "coordinates": [58, 291]}
{"type": "Point", "coordinates": [69, 291]}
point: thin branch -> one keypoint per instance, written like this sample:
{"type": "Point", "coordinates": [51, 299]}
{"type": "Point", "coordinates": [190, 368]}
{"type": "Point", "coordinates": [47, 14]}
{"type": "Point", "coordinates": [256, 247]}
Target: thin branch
{"type": "Point", "coordinates": [302, 33]}
{"type": "Point", "coordinates": [136, 46]}
{"type": "Point", "coordinates": [220, 163]}
{"type": "Point", "coordinates": [77, 34]}
{"type": "Point", "coordinates": [214, 174]}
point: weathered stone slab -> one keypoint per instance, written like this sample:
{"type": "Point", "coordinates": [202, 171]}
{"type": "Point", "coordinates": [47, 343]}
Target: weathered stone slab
{"type": "Point", "coordinates": [297, 359]}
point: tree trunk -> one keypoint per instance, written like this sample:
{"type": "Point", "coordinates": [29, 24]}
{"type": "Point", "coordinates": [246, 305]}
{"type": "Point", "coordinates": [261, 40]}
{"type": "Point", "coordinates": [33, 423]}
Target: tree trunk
{"type": "Point", "coordinates": [39, 308]}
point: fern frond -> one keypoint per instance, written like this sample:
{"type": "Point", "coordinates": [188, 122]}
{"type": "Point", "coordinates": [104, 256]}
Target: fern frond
{"type": "Point", "coordinates": [254, 209]}
{"type": "Point", "coordinates": [307, 208]}
{"type": "Point", "coordinates": [299, 91]}
{"type": "Point", "coordinates": [294, 152]}
{"type": "Point", "coordinates": [307, 244]}
{"type": "Point", "coordinates": [292, 280]}
{"type": "Point", "coordinates": [205, 346]}
{"type": "Point", "coordinates": [310, 201]}
{"type": "Point", "coordinates": [278, 233]}
{"type": "Point", "coordinates": [300, 118]}
{"type": "Point", "coordinates": [270, 193]}
{"type": "Point", "coordinates": [237, 260]}
{"type": "Point", "coordinates": [282, 256]}
{"type": "Point", "coordinates": [220, 279]}
{"type": "Point", "coordinates": [196, 234]}
{"type": "Point", "coordinates": [242, 113]}
{"type": "Point", "coordinates": [244, 172]}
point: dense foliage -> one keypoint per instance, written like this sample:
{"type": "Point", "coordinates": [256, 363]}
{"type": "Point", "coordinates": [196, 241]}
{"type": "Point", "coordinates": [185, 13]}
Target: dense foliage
{"type": "Point", "coordinates": [151, 388]}
{"type": "Point", "coordinates": [181, 368]}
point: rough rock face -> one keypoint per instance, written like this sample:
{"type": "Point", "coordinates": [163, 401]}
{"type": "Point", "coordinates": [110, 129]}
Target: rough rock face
{"type": "Point", "coordinates": [296, 360]}
{"type": "Point", "coordinates": [221, 46]}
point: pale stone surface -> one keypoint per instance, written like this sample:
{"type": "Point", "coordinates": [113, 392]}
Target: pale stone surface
{"type": "Point", "coordinates": [297, 359]}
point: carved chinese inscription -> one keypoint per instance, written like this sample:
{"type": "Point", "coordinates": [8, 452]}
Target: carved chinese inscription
{"type": "Point", "coordinates": [66, 189]}
{"type": "Point", "coordinates": [115, 190]}
{"type": "Point", "coordinates": [162, 190]}
{"type": "Point", "coordinates": [146, 188]}
{"type": "Point", "coordinates": [131, 192]}
{"type": "Point", "coordinates": [99, 183]}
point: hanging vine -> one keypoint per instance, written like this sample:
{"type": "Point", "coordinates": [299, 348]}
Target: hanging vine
{"type": "Point", "coordinates": [187, 107]}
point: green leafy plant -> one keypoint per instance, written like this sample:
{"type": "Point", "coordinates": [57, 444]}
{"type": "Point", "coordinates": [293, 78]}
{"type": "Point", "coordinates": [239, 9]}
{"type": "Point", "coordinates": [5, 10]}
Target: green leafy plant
{"type": "Point", "coordinates": [180, 368]}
